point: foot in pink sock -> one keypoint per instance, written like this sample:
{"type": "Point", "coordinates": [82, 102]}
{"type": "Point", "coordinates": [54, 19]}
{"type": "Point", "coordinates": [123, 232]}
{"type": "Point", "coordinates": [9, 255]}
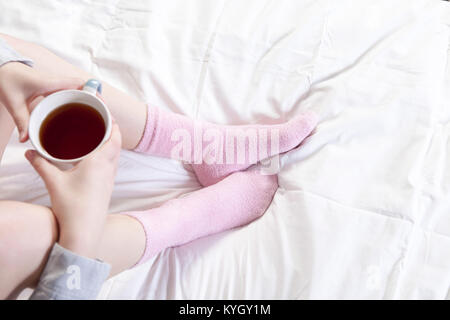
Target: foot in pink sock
{"type": "Point", "coordinates": [278, 138]}
{"type": "Point", "coordinates": [235, 201]}
{"type": "Point", "coordinates": [215, 151]}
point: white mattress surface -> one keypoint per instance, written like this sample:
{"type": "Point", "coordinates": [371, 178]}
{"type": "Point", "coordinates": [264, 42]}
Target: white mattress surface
{"type": "Point", "coordinates": [363, 208]}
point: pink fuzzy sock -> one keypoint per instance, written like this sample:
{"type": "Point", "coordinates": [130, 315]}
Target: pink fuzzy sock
{"type": "Point", "coordinates": [215, 151]}
{"type": "Point", "coordinates": [236, 200]}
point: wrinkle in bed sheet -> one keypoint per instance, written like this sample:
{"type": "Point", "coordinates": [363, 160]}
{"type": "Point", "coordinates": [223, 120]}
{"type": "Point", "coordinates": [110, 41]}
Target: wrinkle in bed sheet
{"type": "Point", "coordinates": [362, 208]}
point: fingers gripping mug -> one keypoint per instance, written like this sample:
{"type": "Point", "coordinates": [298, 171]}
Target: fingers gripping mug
{"type": "Point", "coordinates": [68, 125]}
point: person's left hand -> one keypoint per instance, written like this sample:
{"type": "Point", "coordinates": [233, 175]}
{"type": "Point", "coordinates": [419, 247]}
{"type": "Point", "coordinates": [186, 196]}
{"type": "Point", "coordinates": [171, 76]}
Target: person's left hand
{"type": "Point", "coordinates": [80, 196]}
{"type": "Point", "coordinates": [20, 85]}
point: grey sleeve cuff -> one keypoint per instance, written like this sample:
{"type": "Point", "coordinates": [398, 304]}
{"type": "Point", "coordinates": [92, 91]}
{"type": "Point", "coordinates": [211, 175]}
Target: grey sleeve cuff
{"type": "Point", "coordinates": [8, 54]}
{"type": "Point", "coordinates": [68, 276]}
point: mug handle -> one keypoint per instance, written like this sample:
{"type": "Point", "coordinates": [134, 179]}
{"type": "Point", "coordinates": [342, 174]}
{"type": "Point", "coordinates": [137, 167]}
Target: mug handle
{"type": "Point", "coordinates": [93, 86]}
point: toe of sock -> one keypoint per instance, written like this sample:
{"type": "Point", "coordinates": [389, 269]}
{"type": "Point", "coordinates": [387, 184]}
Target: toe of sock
{"type": "Point", "coordinates": [308, 120]}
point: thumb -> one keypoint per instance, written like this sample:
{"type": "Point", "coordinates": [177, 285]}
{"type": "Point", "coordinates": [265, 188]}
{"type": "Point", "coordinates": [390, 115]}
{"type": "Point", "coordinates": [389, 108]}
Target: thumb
{"type": "Point", "coordinates": [48, 172]}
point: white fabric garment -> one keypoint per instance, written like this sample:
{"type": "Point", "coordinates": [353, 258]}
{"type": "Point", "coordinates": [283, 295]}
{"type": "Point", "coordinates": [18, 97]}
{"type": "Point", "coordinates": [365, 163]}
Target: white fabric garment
{"type": "Point", "coordinates": [363, 208]}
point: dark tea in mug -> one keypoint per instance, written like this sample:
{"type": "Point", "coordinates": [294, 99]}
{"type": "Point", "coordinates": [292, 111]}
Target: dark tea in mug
{"type": "Point", "coordinates": [72, 131]}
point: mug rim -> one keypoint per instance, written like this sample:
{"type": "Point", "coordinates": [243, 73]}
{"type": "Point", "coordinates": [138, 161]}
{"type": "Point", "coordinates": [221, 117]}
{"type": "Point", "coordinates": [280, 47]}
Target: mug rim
{"type": "Point", "coordinates": [41, 150]}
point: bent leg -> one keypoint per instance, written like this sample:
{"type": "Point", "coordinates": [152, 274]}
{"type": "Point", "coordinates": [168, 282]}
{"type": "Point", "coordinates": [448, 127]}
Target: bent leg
{"type": "Point", "coordinates": [28, 232]}
{"type": "Point", "coordinates": [153, 132]}
{"type": "Point", "coordinates": [235, 201]}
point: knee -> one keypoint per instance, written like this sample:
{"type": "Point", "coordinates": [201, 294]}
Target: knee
{"type": "Point", "coordinates": [24, 228]}
{"type": "Point", "coordinates": [9, 252]}
{"type": "Point", "coordinates": [8, 235]}
{"type": "Point", "coordinates": [27, 233]}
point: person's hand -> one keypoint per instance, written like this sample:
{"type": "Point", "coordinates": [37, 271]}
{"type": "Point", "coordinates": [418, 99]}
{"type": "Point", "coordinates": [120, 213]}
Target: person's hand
{"type": "Point", "coordinates": [80, 196]}
{"type": "Point", "coordinates": [20, 85]}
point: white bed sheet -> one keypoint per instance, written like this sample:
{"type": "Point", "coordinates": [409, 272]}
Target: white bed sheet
{"type": "Point", "coordinates": [363, 208]}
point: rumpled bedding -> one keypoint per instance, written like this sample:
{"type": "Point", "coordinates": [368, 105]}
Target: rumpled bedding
{"type": "Point", "coordinates": [363, 207]}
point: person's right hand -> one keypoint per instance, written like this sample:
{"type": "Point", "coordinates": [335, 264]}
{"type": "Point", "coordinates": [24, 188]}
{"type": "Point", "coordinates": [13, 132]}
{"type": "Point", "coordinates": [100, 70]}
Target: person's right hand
{"type": "Point", "coordinates": [20, 85]}
{"type": "Point", "coordinates": [80, 196]}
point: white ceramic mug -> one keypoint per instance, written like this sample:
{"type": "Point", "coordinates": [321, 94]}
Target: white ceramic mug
{"type": "Point", "coordinates": [87, 96]}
